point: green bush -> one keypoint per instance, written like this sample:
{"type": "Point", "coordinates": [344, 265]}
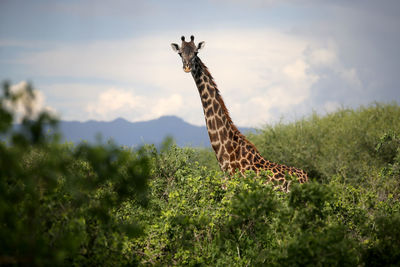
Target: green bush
{"type": "Point", "coordinates": [340, 143]}
{"type": "Point", "coordinates": [81, 204]}
{"type": "Point", "coordinates": [58, 202]}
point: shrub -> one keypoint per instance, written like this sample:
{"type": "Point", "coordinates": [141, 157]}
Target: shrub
{"type": "Point", "coordinates": [81, 204]}
{"type": "Point", "coordinates": [341, 143]}
{"type": "Point", "coordinates": [57, 202]}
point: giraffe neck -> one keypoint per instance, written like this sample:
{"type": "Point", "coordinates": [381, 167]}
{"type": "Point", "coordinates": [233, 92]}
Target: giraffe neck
{"type": "Point", "coordinates": [229, 144]}
{"type": "Point", "coordinates": [232, 149]}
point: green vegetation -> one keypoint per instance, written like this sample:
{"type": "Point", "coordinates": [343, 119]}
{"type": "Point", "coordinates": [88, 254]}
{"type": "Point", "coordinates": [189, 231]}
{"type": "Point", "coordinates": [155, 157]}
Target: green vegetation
{"type": "Point", "coordinates": [342, 143]}
{"type": "Point", "coordinates": [102, 205]}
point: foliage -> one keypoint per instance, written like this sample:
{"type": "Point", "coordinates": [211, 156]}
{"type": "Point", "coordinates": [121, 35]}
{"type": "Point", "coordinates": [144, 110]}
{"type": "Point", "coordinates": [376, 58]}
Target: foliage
{"type": "Point", "coordinates": [57, 202]}
{"type": "Point", "coordinates": [200, 218]}
{"type": "Point", "coordinates": [65, 204]}
{"type": "Point", "coordinates": [340, 143]}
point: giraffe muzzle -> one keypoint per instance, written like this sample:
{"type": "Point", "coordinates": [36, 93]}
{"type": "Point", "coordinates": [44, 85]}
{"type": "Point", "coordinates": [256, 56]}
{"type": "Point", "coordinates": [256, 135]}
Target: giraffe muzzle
{"type": "Point", "coordinates": [187, 69]}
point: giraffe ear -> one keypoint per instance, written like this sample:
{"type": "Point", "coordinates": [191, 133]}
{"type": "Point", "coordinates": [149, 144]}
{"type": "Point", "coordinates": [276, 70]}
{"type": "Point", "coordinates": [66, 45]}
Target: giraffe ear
{"type": "Point", "coordinates": [175, 47]}
{"type": "Point", "coordinates": [201, 45]}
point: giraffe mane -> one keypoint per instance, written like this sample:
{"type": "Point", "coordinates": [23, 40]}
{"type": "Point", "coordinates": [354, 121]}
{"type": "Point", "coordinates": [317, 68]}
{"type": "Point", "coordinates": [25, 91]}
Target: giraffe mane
{"type": "Point", "coordinates": [218, 96]}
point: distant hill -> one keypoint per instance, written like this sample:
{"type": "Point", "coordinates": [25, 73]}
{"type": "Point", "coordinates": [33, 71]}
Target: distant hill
{"type": "Point", "coordinates": [128, 133]}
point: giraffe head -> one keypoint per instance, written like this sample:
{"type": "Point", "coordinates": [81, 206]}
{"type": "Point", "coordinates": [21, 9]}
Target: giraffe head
{"type": "Point", "coordinates": [188, 52]}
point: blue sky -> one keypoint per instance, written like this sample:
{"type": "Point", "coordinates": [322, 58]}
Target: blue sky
{"type": "Point", "coordinates": [271, 59]}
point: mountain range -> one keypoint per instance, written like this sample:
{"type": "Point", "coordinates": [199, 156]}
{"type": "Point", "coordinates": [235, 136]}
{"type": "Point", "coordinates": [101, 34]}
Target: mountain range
{"type": "Point", "coordinates": [127, 133]}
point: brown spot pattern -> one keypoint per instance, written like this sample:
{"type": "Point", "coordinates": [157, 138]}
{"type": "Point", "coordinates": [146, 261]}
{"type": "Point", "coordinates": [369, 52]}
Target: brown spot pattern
{"type": "Point", "coordinates": [234, 152]}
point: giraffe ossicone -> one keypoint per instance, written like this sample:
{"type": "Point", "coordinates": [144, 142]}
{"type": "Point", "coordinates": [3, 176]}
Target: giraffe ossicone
{"type": "Point", "coordinates": [232, 149]}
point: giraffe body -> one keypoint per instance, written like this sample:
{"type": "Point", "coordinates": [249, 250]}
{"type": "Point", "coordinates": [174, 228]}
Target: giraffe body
{"type": "Point", "coordinates": [232, 149]}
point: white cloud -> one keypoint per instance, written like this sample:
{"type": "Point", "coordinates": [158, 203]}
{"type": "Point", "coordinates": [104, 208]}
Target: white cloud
{"type": "Point", "coordinates": [114, 100]}
{"type": "Point", "coordinates": [331, 106]}
{"type": "Point", "coordinates": [141, 60]}
{"type": "Point", "coordinates": [261, 75]}
{"type": "Point", "coordinates": [168, 105]}
{"type": "Point", "coordinates": [322, 57]}
{"type": "Point", "coordinates": [351, 77]}
{"type": "Point", "coordinates": [114, 103]}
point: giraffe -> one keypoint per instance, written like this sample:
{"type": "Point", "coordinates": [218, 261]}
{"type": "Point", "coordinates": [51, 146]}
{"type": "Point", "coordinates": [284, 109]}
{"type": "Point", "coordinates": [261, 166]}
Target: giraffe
{"type": "Point", "coordinates": [232, 149]}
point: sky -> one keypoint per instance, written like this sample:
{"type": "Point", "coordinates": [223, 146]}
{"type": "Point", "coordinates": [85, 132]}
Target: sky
{"type": "Point", "coordinates": [272, 60]}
